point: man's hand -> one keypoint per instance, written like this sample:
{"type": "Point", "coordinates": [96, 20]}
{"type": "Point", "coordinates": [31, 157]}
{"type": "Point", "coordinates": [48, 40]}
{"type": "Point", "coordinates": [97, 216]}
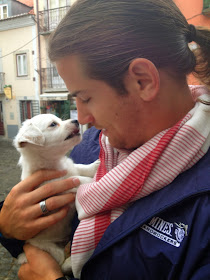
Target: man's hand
{"type": "Point", "coordinates": [21, 216]}
{"type": "Point", "coordinates": [40, 266]}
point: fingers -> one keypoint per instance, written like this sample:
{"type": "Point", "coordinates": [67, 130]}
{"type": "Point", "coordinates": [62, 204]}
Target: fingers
{"type": "Point", "coordinates": [52, 204]}
{"type": "Point", "coordinates": [53, 188]}
{"type": "Point", "coordinates": [35, 225]}
{"type": "Point", "coordinates": [40, 266]}
{"type": "Point", "coordinates": [37, 178]}
{"type": "Point", "coordinates": [32, 252]}
{"type": "Point", "coordinates": [49, 220]}
{"type": "Point", "coordinates": [21, 215]}
{"type": "Point", "coordinates": [33, 181]}
{"type": "Point", "coordinates": [29, 200]}
{"type": "Point", "coordinates": [24, 271]}
{"type": "Point", "coordinates": [57, 202]}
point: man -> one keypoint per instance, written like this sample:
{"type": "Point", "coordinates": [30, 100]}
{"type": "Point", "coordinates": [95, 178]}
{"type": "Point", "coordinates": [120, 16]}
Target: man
{"type": "Point", "coordinates": [149, 204]}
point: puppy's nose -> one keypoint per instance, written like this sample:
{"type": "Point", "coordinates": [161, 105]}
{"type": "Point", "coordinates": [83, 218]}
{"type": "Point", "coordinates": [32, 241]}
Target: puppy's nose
{"type": "Point", "coordinates": [75, 122]}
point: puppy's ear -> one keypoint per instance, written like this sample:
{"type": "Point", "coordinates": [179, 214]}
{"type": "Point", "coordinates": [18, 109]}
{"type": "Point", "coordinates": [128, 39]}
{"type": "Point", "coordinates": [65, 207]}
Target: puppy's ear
{"type": "Point", "coordinates": [29, 134]}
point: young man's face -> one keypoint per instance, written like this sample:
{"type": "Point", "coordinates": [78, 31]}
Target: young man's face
{"type": "Point", "coordinates": [119, 116]}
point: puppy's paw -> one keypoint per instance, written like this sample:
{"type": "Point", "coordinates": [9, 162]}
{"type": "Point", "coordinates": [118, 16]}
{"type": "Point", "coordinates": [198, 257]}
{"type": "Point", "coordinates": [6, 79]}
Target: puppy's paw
{"type": "Point", "coordinates": [97, 163]}
{"type": "Point", "coordinates": [93, 167]}
{"type": "Point", "coordinates": [22, 258]}
{"type": "Point", "coordinates": [58, 254]}
{"type": "Point", "coordinates": [66, 266]}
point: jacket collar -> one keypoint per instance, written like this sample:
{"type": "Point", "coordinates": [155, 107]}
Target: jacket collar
{"type": "Point", "coordinates": [195, 182]}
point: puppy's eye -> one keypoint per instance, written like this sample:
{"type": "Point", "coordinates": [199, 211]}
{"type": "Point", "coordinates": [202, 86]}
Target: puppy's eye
{"type": "Point", "coordinates": [53, 124]}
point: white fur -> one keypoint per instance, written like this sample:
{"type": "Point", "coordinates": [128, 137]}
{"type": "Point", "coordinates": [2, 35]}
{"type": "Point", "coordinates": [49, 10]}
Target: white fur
{"type": "Point", "coordinates": [42, 145]}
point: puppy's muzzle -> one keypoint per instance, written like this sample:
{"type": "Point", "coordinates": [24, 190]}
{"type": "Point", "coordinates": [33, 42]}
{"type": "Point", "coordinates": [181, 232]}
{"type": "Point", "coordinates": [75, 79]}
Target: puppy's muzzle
{"type": "Point", "coordinates": [75, 131]}
{"type": "Point", "coordinates": [75, 122]}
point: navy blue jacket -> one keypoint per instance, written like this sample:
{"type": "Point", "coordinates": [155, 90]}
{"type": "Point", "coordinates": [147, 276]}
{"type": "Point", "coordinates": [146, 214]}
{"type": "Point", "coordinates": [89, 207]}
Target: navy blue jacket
{"type": "Point", "coordinates": [165, 235]}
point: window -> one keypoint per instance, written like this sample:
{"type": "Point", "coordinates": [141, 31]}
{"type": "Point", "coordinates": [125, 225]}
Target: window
{"type": "Point", "coordinates": [55, 79]}
{"type": "Point", "coordinates": [58, 9]}
{"type": "Point", "coordinates": [57, 3]}
{"type": "Point", "coordinates": [28, 109]}
{"type": "Point", "coordinates": [22, 69]}
{"type": "Point", "coordinates": [3, 11]}
{"type": "Point", "coordinates": [25, 110]}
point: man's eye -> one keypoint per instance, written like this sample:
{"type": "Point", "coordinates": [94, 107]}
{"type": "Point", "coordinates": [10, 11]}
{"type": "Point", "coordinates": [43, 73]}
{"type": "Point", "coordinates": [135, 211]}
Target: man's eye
{"type": "Point", "coordinates": [85, 100]}
{"type": "Point", "coordinates": [53, 124]}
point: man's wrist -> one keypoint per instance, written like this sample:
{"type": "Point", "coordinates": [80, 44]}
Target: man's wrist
{"type": "Point", "coordinates": [1, 230]}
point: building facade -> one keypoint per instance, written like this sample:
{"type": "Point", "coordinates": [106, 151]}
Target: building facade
{"type": "Point", "coordinates": [29, 82]}
{"type": "Point", "coordinates": [54, 96]}
{"type": "Point", "coordinates": [19, 80]}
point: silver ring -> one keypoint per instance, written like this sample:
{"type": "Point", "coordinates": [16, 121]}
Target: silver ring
{"type": "Point", "coordinates": [43, 206]}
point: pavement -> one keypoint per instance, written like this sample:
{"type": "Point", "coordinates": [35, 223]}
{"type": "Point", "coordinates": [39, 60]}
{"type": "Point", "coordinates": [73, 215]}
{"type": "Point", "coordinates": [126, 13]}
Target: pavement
{"type": "Point", "coordinates": [9, 177]}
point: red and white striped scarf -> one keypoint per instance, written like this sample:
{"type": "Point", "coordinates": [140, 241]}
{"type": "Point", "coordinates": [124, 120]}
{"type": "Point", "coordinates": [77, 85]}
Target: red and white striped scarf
{"type": "Point", "coordinates": [124, 177]}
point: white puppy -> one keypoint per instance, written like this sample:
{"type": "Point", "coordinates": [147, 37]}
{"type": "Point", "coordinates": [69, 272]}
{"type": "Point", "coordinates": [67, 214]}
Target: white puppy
{"type": "Point", "coordinates": [43, 142]}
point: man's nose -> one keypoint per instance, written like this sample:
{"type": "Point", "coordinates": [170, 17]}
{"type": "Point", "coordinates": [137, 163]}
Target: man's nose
{"type": "Point", "coordinates": [84, 116]}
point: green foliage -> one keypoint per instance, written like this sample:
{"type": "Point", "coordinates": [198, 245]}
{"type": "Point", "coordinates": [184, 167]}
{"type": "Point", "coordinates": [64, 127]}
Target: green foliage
{"type": "Point", "coordinates": [206, 4]}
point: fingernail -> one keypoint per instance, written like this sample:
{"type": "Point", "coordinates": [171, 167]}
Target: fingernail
{"type": "Point", "coordinates": [76, 182]}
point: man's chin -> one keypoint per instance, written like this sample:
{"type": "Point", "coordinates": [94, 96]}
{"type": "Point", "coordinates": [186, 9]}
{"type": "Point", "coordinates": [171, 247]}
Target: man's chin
{"type": "Point", "coordinates": [116, 143]}
{"type": "Point", "coordinates": [121, 145]}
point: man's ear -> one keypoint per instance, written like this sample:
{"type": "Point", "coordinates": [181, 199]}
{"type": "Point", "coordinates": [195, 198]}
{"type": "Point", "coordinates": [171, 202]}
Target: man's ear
{"type": "Point", "coordinates": [29, 134]}
{"type": "Point", "coordinates": [145, 78]}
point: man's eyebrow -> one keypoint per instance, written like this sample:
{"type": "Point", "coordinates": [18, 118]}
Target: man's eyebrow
{"type": "Point", "coordinates": [75, 93]}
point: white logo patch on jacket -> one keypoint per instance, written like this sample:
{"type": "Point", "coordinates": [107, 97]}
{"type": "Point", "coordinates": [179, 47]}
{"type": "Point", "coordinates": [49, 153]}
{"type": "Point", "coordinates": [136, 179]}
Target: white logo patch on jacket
{"type": "Point", "coordinates": [171, 233]}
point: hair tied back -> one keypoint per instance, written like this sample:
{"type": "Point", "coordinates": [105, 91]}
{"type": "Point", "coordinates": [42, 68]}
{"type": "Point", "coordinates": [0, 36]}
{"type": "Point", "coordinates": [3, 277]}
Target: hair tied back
{"type": "Point", "coordinates": [192, 33]}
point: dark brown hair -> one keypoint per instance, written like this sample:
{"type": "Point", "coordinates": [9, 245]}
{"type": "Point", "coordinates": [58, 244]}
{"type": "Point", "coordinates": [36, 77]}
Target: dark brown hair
{"type": "Point", "coordinates": [108, 35]}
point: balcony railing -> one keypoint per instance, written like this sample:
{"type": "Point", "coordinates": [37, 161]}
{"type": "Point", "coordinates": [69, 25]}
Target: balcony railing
{"type": "Point", "coordinates": [49, 19]}
{"type": "Point", "coordinates": [2, 82]}
{"type": "Point", "coordinates": [51, 79]}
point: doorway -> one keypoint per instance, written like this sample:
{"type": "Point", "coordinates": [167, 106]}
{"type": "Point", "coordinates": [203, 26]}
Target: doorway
{"type": "Point", "coordinates": [1, 119]}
